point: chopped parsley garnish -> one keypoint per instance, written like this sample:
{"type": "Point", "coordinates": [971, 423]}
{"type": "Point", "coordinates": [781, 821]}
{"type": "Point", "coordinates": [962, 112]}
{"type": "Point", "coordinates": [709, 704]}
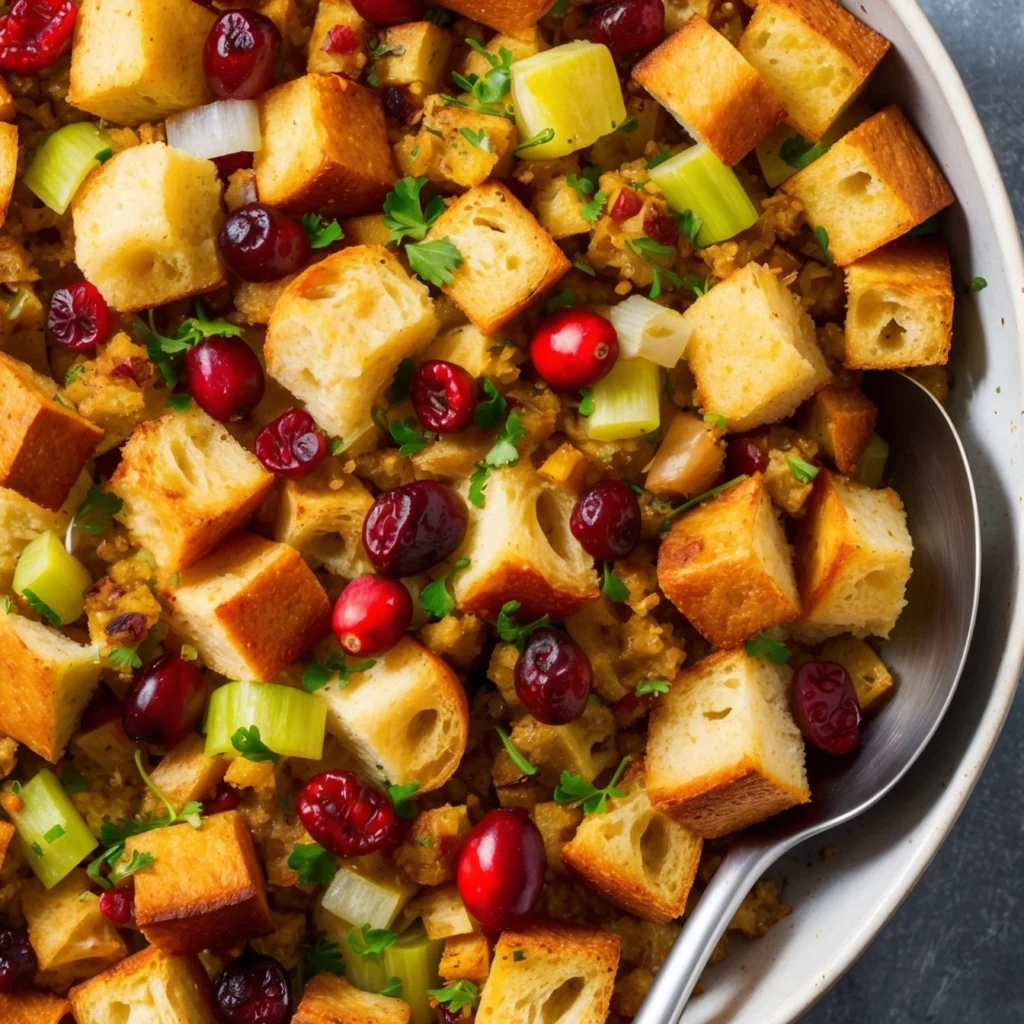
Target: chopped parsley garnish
{"type": "Point", "coordinates": [490, 412]}
{"type": "Point", "coordinates": [53, 834]}
{"type": "Point", "coordinates": [687, 505]}
{"type": "Point", "coordinates": [628, 126]}
{"type": "Point", "coordinates": [503, 453]}
{"type": "Point", "coordinates": [456, 995]}
{"type": "Point", "coordinates": [402, 798]}
{"type": "Point", "coordinates": [822, 236]}
{"type": "Point", "coordinates": [73, 374]}
{"type": "Point", "coordinates": [563, 299]}
{"type": "Point", "coordinates": [697, 284]}
{"type": "Point", "coordinates": [179, 403]}
{"type": "Point", "coordinates": [321, 232]}
{"type": "Point", "coordinates": [125, 657]}
{"type": "Point", "coordinates": [585, 183]}
{"type": "Point", "coordinates": [370, 943]}
{"type": "Point", "coordinates": [558, 9]}
{"type": "Point", "coordinates": [323, 956]}
{"type": "Point", "coordinates": [40, 607]}
{"type": "Point", "coordinates": [762, 646]}
{"type": "Point", "coordinates": [313, 864]}
{"type": "Point", "coordinates": [647, 686]}
{"type": "Point", "coordinates": [613, 588]}
{"type": "Point", "coordinates": [392, 988]}
{"type": "Point", "coordinates": [96, 514]}
{"type": "Point", "coordinates": [582, 265]}
{"type": "Point", "coordinates": [715, 419]}
{"type": "Point", "coordinates": [977, 284]}
{"type": "Point", "coordinates": [403, 214]}
{"type": "Point", "coordinates": [319, 674]}
{"type": "Point", "coordinates": [248, 743]}
{"type": "Point", "coordinates": [525, 766]}
{"type": "Point", "coordinates": [573, 789]}
{"type": "Point", "coordinates": [543, 136]}
{"type": "Point", "coordinates": [138, 861]}
{"type": "Point", "coordinates": [493, 86]}
{"type": "Point", "coordinates": [646, 248]}
{"type": "Point", "coordinates": [434, 261]}
{"type": "Point", "coordinates": [803, 471]}
{"type": "Point", "coordinates": [377, 49]}
{"type": "Point", "coordinates": [478, 140]}
{"type": "Point", "coordinates": [163, 350]}
{"type": "Point", "coordinates": [928, 227]}
{"type": "Point", "coordinates": [511, 631]}
{"type": "Point", "coordinates": [798, 152]}
{"type": "Point", "coordinates": [337, 445]}
{"type": "Point", "coordinates": [435, 599]}
{"type": "Point", "coordinates": [37, 849]}
{"type": "Point", "coordinates": [438, 16]}
{"type": "Point", "coordinates": [690, 225]}
{"type": "Point", "coordinates": [592, 210]}
{"type": "Point", "coordinates": [518, 955]}
{"type": "Point", "coordinates": [73, 781]}
{"type": "Point", "coordinates": [409, 440]}
{"type": "Point", "coordinates": [659, 158]}
{"type": "Point", "coordinates": [401, 384]}
{"type": "Point", "coordinates": [586, 402]}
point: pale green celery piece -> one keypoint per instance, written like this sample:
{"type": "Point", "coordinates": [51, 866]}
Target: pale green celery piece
{"type": "Point", "coordinates": [367, 890]}
{"type": "Point", "coordinates": [414, 959]}
{"type": "Point", "coordinates": [627, 402]}
{"type": "Point", "coordinates": [697, 180]}
{"type": "Point", "coordinates": [44, 806]}
{"type": "Point", "coordinates": [871, 467]}
{"type": "Point", "coordinates": [364, 974]}
{"type": "Point", "coordinates": [291, 722]}
{"type": "Point", "coordinates": [56, 578]}
{"type": "Point", "coordinates": [64, 161]}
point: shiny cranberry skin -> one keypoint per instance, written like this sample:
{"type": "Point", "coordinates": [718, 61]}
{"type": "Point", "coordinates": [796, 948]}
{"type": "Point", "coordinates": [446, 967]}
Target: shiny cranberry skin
{"type": "Point", "coordinates": [118, 905]}
{"type": "Point", "coordinates": [412, 527]}
{"type": "Point", "coordinates": [501, 868]}
{"type": "Point", "coordinates": [574, 348]}
{"type": "Point", "coordinates": [35, 34]}
{"type": "Point", "coordinates": [260, 243]}
{"type": "Point", "coordinates": [164, 703]}
{"type": "Point", "coordinates": [348, 814]}
{"type": "Point", "coordinates": [444, 396]}
{"type": "Point", "coordinates": [79, 317]}
{"type": "Point", "coordinates": [102, 708]}
{"type": "Point", "coordinates": [241, 55]}
{"type": "Point", "coordinates": [291, 445]}
{"type": "Point", "coordinates": [224, 377]}
{"type": "Point", "coordinates": [606, 520]}
{"type": "Point", "coordinates": [254, 990]}
{"type": "Point", "coordinates": [628, 26]}
{"type": "Point", "coordinates": [389, 12]}
{"type": "Point", "coordinates": [743, 455]}
{"type": "Point", "coordinates": [553, 677]}
{"type": "Point", "coordinates": [341, 39]}
{"type": "Point", "coordinates": [225, 798]}
{"type": "Point", "coordinates": [661, 226]}
{"type": "Point", "coordinates": [825, 707]}
{"type": "Point", "coordinates": [372, 615]}
{"type": "Point", "coordinates": [627, 204]}
{"type": "Point", "coordinates": [17, 960]}
{"type": "Point", "coordinates": [229, 163]}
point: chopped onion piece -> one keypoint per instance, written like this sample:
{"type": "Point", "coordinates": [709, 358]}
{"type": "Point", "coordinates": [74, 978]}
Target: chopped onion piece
{"type": "Point", "coordinates": [649, 330]}
{"type": "Point", "coordinates": [367, 889]}
{"type": "Point", "coordinates": [217, 129]}
{"type": "Point", "coordinates": [626, 402]}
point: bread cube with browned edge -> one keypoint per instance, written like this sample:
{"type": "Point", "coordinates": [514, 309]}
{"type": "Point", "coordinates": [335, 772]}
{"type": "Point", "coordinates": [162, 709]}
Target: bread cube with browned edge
{"type": "Point", "coordinates": [466, 958]}
{"type": "Point", "coordinates": [550, 969]}
{"type": "Point", "coordinates": [147, 988]}
{"type": "Point", "coordinates": [508, 259]}
{"type": "Point", "coordinates": [184, 774]}
{"type": "Point", "coordinates": [875, 184]}
{"type": "Point", "coordinates": [170, 253]}
{"type": "Point", "coordinates": [44, 443]}
{"type": "Point", "coordinates": [723, 751]}
{"type": "Point", "coordinates": [8, 165]}
{"type": "Point", "coordinates": [6, 835]}
{"type": "Point", "coordinates": [325, 147]}
{"type": "Point", "coordinates": [730, 119]}
{"type": "Point", "coordinates": [521, 45]}
{"type": "Point", "coordinates": [336, 18]}
{"type": "Point", "coordinates": [417, 52]}
{"type": "Point", "coordinates": [900, 306]}
{"type": "Point", "coordinates": [753, 350]}
{"type": "Point", "coordinates": [853, 554]}
{"type": "Point", "coordinates": [557, 823]}
{"type": "Point", "coordinates": [429, 853]}
{"type": "Point", "coordinates": [339, 331]}
{"type": "Point", "coordinates": [442, 912]}
{"type": "Point", "coordinates": [516, 17]}
{"type": "Point", "coordinates": [871, 679]}
{"type": "Point", "coordinates": [840, 421]}
{"type": "Point", "coordinates": [30, 1006]}
{"type": "Point", "coordinates": [139, 60]}
{"type": "Point", "coordinates": [229, 607]}
{"type": "Point", "coordinates": [328, 999]}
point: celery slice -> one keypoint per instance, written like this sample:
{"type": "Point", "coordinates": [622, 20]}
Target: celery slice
{"type": "Point", "coordinates": [51, 576]}
{"type": "Point", "coordinates": [870, 469]}
{"type": "Point", "coordinates": [291, 722]}
{"type": "Point", "coordinates": [626, 402]}
{"type": "Point", "coordinates": [367, 890]}
{"type": "Point", "coordinates": [364, 974]}
{"type": "Point", "coordinates": [649, 330]}
{"type": "Point", "coordinates": [697, 180]}
{"type": "Point", "coordinates": [64, 161]}
{"type": "Point", "coordinates": [414, 960]}
{"type": "Point", "coordinates": [54, 835]}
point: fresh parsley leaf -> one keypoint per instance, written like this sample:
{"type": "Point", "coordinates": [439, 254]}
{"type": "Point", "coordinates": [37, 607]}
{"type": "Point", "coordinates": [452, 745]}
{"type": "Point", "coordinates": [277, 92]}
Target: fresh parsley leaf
{"type": "Point", "coordinates": [928, 227]}
{"type": "Point", "coordinates": [73, 374]}
{"type": "Point", "coordinates": [36, 849]}
{"type": "Point", "coordinates": [401, 384]}
{"type": "Point", "coordinates": [543, 136]}
{"type": "Point", "coordinates": [53, 834]}
{"type": "Point", "coordinates": [613, 588]}
{"type": "Point", "coordinates": [490, 412]}
{"type": "Point", "coordinates": [977, 284]}
{"type": "Point", "coordinates": [659, 158]}
{"type": "Point", "coordinates": [434, 261]}
{"type": "Point", "coordinates": [248, 743]}
{"type": "Point", "coordinates": [456, 995]}
{"type": "Point", "coordinates": [581, 264]}
{"type": "Point", "coordinates": [511, 631]}
{"type": "Point", "coordinates": [803, 471]}
{"type": "Point", "coordinates": [402, 798]}
{"type": "Point", "coordinates": [586, 402]}
{"type": "Point", "coordinates": [585, 183]}
{"type": "Point", "coordinates": [321, 233]}
{"type": "Point", "coordinates": [558, 9]}
{"type": "Point", "coordinates": [96, 514]}
{"type": "Point", "coordinates": [525, 766]}
{"type": "Point", "coordinates": [697, 284]}
{"type": "Point", "coordinates": [822, 236]}
{"type": "Point", "coordinates": [40, 607]}
{"type": "Point", "coordinates": [479, 140]}
{"type": "Point", "coordinates": [403, 214]}
{"type": "Point", "coordinates": [563, 299]}
{"type": "Point", "coordinates": [377, 49]}
{"type": "Point", "coordinates": [715, 419]}
{"type": "Point", "coordinates": [323, 957]}
{"type": "Point", "coordinates": [687, 505]}
{"type": "Point", "coordinates": [370, 943]}
{"type": "Point", "coordinates": [179, 403]}
{"type": "Point", "coordinates": [73, 781]}
{"type": "Point", "coordinates": [646, 248]}
{"type": "Point", "coordinates": [409, 440]}
{"type": "Point", "coordinates": [647, 686]}
{"type": "Point", "coordinates": [435, 598]}
{"type": "Point", "coordinates": [628, 126]}
{"type": "Point", "coordinates": [337, 445]}
{"type": "Point", "coordinates": [438, 16]}
{"type": "Point", "coordinates": [592, 210]}
{"type": "Point", "coordinates": [314, 864]}
{"type": "Point", "coordinates": [477, 485]}
{"type": "Point", "coordinates": [574, 789]}
{"type": "Point", "coordinates": [319, 674]}
{"type": "Point", "coordinates": [762, 646]}
{"type": "Point", "coordinates": [798, 152]}
{"type": "Point", "coordinates": [125, 657]}
{"type": "Point", "coordinates": [392, 988]}
{"type": "Point", "coordinates": [690, 225]}
{"type": "Point", "coordinates": [164, 349]}
{"type": "Point", "coordinates": [518, 955]}
{"type": "Point", "coordinates": [493, 86]}
{"type": "Point", "coordinates": [137, 863]}
{"type": "Point", "coordinates": [504, 451]}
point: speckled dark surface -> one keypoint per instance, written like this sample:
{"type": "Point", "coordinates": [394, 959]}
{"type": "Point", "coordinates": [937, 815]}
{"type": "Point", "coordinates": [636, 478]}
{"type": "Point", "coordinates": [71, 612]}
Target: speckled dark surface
{"type": "Point", "coordinates": [954, 952]}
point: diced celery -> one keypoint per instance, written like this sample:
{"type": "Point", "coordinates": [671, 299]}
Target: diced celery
{"type": "Point", "coordinates": [871, 467]}
{"type": "Point", "coordinates": [697, 180]}
{"type": "Point", "coordinates": [64, 161]}
{"type": "Point", "coordinates": [54, 835]}
{"type": "Point", "coordinates": [626, 402]}
{"type": "Point", "coordinates": [572, 90]}
{"type": "Point", "coordinates": [367, 890]}
{"type": "Point", "coordinates": [51, 576]}
{"type": "Point", "coordinates": [291, 722]}
{"type": "Point", "coordinates": [364, 974]}
{"type": "Point", "coordinates": [649, 330]}
{"type": "Point", "coordinates": [414, 960]}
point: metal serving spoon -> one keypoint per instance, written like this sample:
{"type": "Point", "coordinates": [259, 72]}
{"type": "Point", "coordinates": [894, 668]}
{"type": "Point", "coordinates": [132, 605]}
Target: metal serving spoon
{"type": "Point", "coordinates": [928, 468]}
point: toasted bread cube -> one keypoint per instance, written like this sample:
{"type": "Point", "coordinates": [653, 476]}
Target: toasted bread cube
{"type": "Point", "coordinates": [337, 14]}
{"type": "Point", "coordinates": [33, 1007]}
{"type": "Point", "coordinates": [814, 55]}
{"type": "Point", "coordinates": [328, 999]}
{"type": "Point", "coordinates": [875, 184]}
{"type": "Point", "coordinates": [558, 966]}
{"type": "Point", "coordinates": [6, 835]}
{"type": "Point", "coordinates": [900, 308]}
{"type": "Point", "coordinates": [107, 746]}
{"type": "Point", "coordinates": [418, 53]}
{"type": "Point", "coordinates": [521, 45]}
{"type": "Point", "coordinates": [557, 823]}
{"type": "Point", "coordinates": [139, 60]}
{"type": "Point", "coordinates": [515, 17]}
{"type": "Point", "coordinates": [205, 888]}
{"type": "Point", "coordinates": [184, 774]}
{"type": "Point", "coordinates": [44, 443]}
{"type": "Point", "coordinates": [325, 147]}
{"type": "Point", "coordinates": [430, 852]}
{"type": "Point", "coordinates": [566, 466]}
{"type": "Point", "coordinates": [730, 119]}
{"type": "Point", "coordinates": [840, 421]}
{"type": "Point", "coordinates": [339, 331]}
{"type": "Point", "coordinates": [480, 354]}
{"type": "Point", "coordinates": [871, 679]}
{"type": "Point", "coordinates": [171, 252]}
{"type": "Point", "coordinates": [753, 350]}
{"type": "Point", "coordinates": [723, 751]}
{"type": "Point", "coordinates": [8, 165]}
{"type": "Point", "coordinates": [229, 607]}
{"type": "Point", "coordinates": [678, 12]}
{"type": "Point", "coordinates": [466, 958]}
{"type": "Point", "coordinates": [148, 988]}
{"type": "Point", "coordinates": [559, 209]}
{"type": "Point", "coordinates": [185, 484]}
{"type": "Point", "coordinates": [442, 911]}
{"type": "Point", "coordinates": [852, 560]}
{"type": "Point", "coordinates": [508, 259]}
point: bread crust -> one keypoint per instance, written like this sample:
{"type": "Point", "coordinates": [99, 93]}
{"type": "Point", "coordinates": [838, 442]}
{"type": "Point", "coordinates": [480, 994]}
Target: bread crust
{"type": "Point", "coordinates": [842, 421]}
{"type": "Point", "coordinates": [6, 835]}
{"type": "Point", "coordinates": [33, 1007]}
{"type": "Point", "coordinates": [516, 17]}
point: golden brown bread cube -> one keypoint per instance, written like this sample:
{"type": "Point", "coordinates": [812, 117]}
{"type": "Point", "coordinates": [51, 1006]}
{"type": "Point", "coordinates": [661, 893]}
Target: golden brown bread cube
{"type": "Point", "coordinates": [337, 14]}
{"type": "Point", "coordinates": [840, 421]}
{"type": "Point", "coordinates": [516, 17]}
{"type": "Point", "coordinates": [6, 835]}
{"type": "Point", "coordinates": [418, 52]}
{"type": "Point", "coordinates": [442, 912]}
{"type": "Point", "coordinates": [328, 999]}
{"type": "Point", "coordinates": [183, 775]}
{"type": "Point", "coordinates": [466, 958]}
{"type": "Point", "coordinates": [8, 165]}
{"type": "Point", "coordinates": [871, 679]}
{"type": "Point", "coordinates": [430, 852]}
{"type": "Point", "coordinates": [33, 1007]}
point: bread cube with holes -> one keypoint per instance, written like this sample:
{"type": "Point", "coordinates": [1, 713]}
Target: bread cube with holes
{"type": "Point", "coordinates": [417, 54]}
{"type": "Point", "coordinates": [723, 751]}
{"type": "Point", "coordinates": [900, 306]}
{"type": "Point", "coordinates": [875, 184]}
{"type": "Point", "coordinates": [339, 331]}
{"type": "Point", "coordinates": [871, 679]}
{"type": "Point", "coordinates": [30, 1006]}
{"type": "Point", "coordinates": [508, 259]}
{"type": "Point", "coordinates": [514, 17]}
{"type": "Point", "coordinates": [185, 483]}
{"type": "Point", "coordinates": [184, 774]}
{"type": "Point", "coordinates": [139, 60]}
{"type": "Point", "coordinates": [730, 119]}
{"type": "Point", "coordinates": [466, 958]}
{"type": "Point", "coordinates": [840, 421]}
{"type": "Point", "coordinates": [328, 999]}
{"type": "Point", "coordinates": [229, 607]}
{"type": "Point", "coordinates": [325, 147]}
{"type": "Point", "coordinates": [338, 40]}
{"type": "Point", "coordinates": [853, 554]}
{"type": "Point", "coordinates": [551, 970]}
{"type": "Point", "coordinates": [752, 349]}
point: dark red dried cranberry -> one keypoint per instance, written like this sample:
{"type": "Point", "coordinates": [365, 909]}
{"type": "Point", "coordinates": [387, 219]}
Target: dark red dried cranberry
{"type": "Point", "coordinates": [348, 814]}
{"type": "Point", "coordinates": [260, 243]}
{"type": "Point", "coordinates": [372, 615]}
{"type": "Point", "coordinates": [628, 26]}
{"type": "Point", "coordinates": [291, 445]}
{"type": "Point", "coordinates": [231, 162]}
{"type": "Point", "coordinates": [118, 905]}
{"type": "Point", "coordinates": [225, 798]}
{"type": "Point", "coordinates": [553, 677]}
{"type": "Point", "coordinates": [254, 990]}
{"type": "Point", "coordinates": [574, 348]}
{"type": "Point", "coordinates": [745, 457]}
{"type": "Point", "coordinates": [341, 39]}
{"type": "Point", "coordinates": [389, 12]}
{"type": "Point", "coordinates": [660, 226]}
{"type": "Point", "coordinates": [35, 34]}
{"type": "Point", "coordinates": [241, 54]}
{"type": "Point", "coordinates": [79, 317]}
{"type": "Point", "coordinates": [165, 702]}
{"type": "Point", "coordinates": [444, 396]}
{"type": "Point", "coordinates": [627, 204]}
{"type": "Point", "coordinates": [224, 377]}
{"type": "Point", "coordinates": [824, 703]}
{"type": "Point", "coordinates": [398, 106]}
{"type": "Point", "coordinates": [17, 960]}
{"type": "Point", "coordinates": [606, 520]}
{"type": "Point", "coordinates": [135, 368]}
{"type": "Point", "coordinates": [126, 630]}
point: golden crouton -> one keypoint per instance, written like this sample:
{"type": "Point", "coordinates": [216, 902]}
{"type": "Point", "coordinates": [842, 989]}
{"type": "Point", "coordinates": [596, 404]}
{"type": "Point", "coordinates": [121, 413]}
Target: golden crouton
{"type": "Point", "coordinates": [139, 60]}
{"type": "Point", "coordinates": [900, 308]}
{"type": "Point", "coordinates": [871, 679]}
{"type": "Point", "coordinates": [333, 17]}
{"type": "Point", "coordinates": [876, 183]}
{"type": "Point", "coordinates": [566, 466]}
{"type": "Point", "coordinates": [466, 958]}
{"type": "Point", "coordinates": [328, 999]}
{"type": "Point", "coordinates": [723, 751]}
{"type": "Point", "coordinates": [852, 560]}
{"type": "Point", "coordinates": [6, 835]}
{"type": "Point", "coordinates": [521, 45]}
{"type": "Point", "coordinates": [417, 54]}
{"type": "Point", "coordinates": [184, 774]}
{"type": "Point", "coordinates": [480, 354]}
{"type": "Point", "coordinates": [229, 607]}
{"type": "Point", "coordinates": [33, 1007]}
{"type": "Point", "coordinates": [430, 852]}
{"type": "Point", "coordinates": [508, 259]}
{"type": "Point", "coordinates": [557, 823]}
{"type": "Point", "coordinates": [840, 421]}
{"type": "Point", "coordinates": [325, 147]}
{"type": "Point", "coordinates": [732, 117]}
{"type": "Point", "coordinates": [560, 209]}
{"type": "Point", "coordinates": [516, 17]}
{"type": "Point", "coordinates": [107, 746]}
{"type": "Point", "coordinates": [8, 165]}
{"type": "Point", "coordinates": [442, 912]}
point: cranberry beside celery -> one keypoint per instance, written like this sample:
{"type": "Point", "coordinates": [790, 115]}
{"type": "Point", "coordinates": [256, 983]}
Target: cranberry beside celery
{"type": "Point", "coordinates": [165, 702]}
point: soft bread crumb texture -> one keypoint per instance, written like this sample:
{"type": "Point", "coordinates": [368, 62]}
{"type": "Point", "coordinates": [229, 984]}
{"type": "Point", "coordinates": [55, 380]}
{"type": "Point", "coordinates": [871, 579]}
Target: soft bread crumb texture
{"type": "Point", "coordinates": [328, 999]}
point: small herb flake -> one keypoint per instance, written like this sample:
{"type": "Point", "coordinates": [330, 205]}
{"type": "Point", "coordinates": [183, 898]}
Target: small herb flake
{"type": "Point", "coordinates": [402, 799]}
{"type": "Point", "coordinates": [686, 506]}
{"type": "Point", "coordinates": [649, 686]}
{"type": "Point", "coordinates": [53, 834]}
{"type": "Point", "coordinates": [337, 445]}
{"type": "Point", "coordinates": [491, 411]}
{"type": "Point", "coordinates": [313, 864]}
{"type": "Point", "coordinates": [798, 152]}
{"type": "Point", "coordinates": [822, 236]}
{"type": "Point", "coordinates": [73, 374]}
{"type": "Point", "coordinates": [715, 419]}
{"type": "Point", "coordinates": [479, 139]}
{"type": "Point", "coordinates": [322, 233]}
{"type": "Point", "coordinates": [545, 135]}
{"type": "Point", "coordinates": [435, 599]}
{"type": "Point", "coordinates": [613, 588]}
{"type": "Point", "coordinates": [40, 607]}
{"type": "Point", "coordinates": [319, 674]}
{"type": "Point", "coordinates": [977, 284]}
{"type": "Point", "coordinates": [73, 781]}
{"type": "Point", "coordinates": [369, 943]}
{"type": "Point", "coordinates": [628, 126]}
{"type": "Point", "coordinates": [179, 403]}
{"type": "Point", "coordinates": [564, 299]}
{"type": "Point", "coordinates": [517, 758]}
{"type": "Point", "coordinates": [511, 631]}
{"type": "Point", "coordinates": [574, 789]}
{"type": "Point", "coordinates": [586, 402]}
{"type": "Point", "coordinates": [323, 957]}
{"type": "Point", "coordinates": [403, 213]}
{"type": "Point", "coordinates": [584, 267]}
{"type": "Point", "coordinates": [248, 743]}
{"type": "Point", "coordinates": [125, 657]}
{"type": "Point", "coordinates": [434, 261]}
{"type": "Point", "coordinates": [456, 995]}
{"type": "Point", "coordinates": [519, 955]}
{"type": "Point", "coordinates": [659, 158]}
{"type": "Point", "coordinates": [392, 988]}
{"type": "Point", "coordinates": [96, 513]}
{"type": "Point", "coordinates": [647, 249]}
{"type": "Point", "coordinates": [690, 225]}
{"type": "Point", "coordinates": [762, 646]}
{"type": "Point", "coordinates": [803, 471]}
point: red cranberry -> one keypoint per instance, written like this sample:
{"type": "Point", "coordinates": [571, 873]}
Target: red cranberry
{"type": "Point", "coordinates": [660, 226]}
{"type": "Point", "coordinates": [241, 55]}
{"type": "Point", "coordinates": [35, 34]}
{"type": "Point", "coordinates": [102, 708]}
{"type": "Point", "coordinates": [254, 990]}
{"type": "Point", "coordinates": [164, 703]}
{"type": "Point", "coordinates": [444, 396]}
{"type": "Point", "coordinates": [260, 243]}
{"type": "Point", "coordinates": [118, 905]}
{"type": "Point", "coordinates": [553, 677]}
{"type": "Point", "coordinates": [372, 615]}
{"type": "Point", "coordinates": [398, 106]}
{"type": "Point", "coordinates": [627, 204]}
{"type": "Point", "coordinates": [744, 456]}
{"type": "Point", "coordinates": [574, 348]}
{"type": "Point", "coordinates": [606, 520]}
{"type": "Point", "coordinates": [825, 707]}
{"type": "Point", "coordinates": [389, 12]}
{"type": "Point", "coordinates": [628, 26]}
{"type": "Point", "coordinates": [291, 445]}
{"type": "Point", "coordinates": [79, 317]}
{"type": "Point", "coordinates": [231, 162]}
{"type": "Point", "coordinates": [225, 798]}
{"type": "Point", "coordinates": [501, 868]}
{"type": "Point", "coordinates": [341, 39]}
{"type": "Point", "coordinates": [347, 814]}
{"type": "Point", "coordinates": [225, 377]}
{"type": "Point", "coordinates": [17, 960]}
{"type": "Point", "coordinates": [412, 527]}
